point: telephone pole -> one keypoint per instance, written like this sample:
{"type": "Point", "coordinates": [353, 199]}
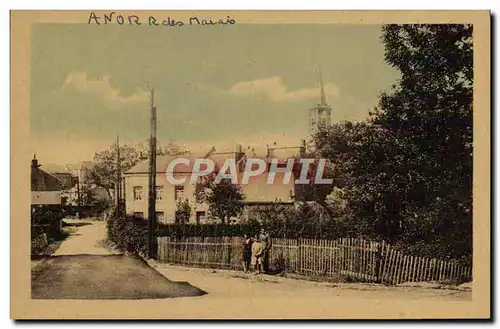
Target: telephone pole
{"type": "Point", "coordinates": [118, 177]}
{"type": "Point", "coordinates": [152, 182]}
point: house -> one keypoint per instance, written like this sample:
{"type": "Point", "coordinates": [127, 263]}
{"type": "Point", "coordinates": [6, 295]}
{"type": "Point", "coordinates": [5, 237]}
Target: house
{"type": "Point", "coordinates": [257, 191]}
{"type": "Point", "coordinates": [45, 188]}
{"type": "Point", "coordinates": [75, 188]}
{"type": "Point", "coordinates": [46, 207]}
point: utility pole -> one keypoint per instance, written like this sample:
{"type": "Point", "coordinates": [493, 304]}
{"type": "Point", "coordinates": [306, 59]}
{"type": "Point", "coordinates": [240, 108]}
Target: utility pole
{"type": "Point", "coordinates": [152, 182]}
{"type": "Point", "coordinates": [118, 177]}
{"type": "Point", "coordinates": [78, 202]}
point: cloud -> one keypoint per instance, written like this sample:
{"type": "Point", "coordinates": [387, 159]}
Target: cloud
{"type": "Point", "coordinates": [276, 90]}
{"type": "Point", "coordinates": [102, 90]}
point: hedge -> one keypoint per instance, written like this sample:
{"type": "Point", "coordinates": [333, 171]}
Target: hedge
{"type": "Point", "coordinates": [128, 233]}
{"type": "Point", "coordinates": [306, 230]}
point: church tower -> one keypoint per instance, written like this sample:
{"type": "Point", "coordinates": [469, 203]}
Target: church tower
{"type": "Point", "coordinates": [321, 114]}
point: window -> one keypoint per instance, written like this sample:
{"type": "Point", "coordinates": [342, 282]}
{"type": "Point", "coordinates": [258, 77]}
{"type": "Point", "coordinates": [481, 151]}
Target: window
{"type": "Point", "coordinates": [200, 216]}
{"type": "Point", "coordinates": [160, 217]}
{"type": "Point", "coordinates": [159, 193]}
{"type": "Point", "coordinates": [138, 193]}
{"type": "Point", "coordinates": [139, 214]}
{"type": "Point", "coordinates": [179, 192]}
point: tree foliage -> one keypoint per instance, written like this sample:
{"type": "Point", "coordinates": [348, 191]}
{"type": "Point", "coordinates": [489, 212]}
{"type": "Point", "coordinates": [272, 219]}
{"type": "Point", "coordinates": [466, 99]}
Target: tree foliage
{"type": "Point", "coordinates": [104, 170]}
{"type": "Point", "coordinates": [224, 199]}
{"type": "Point", "coordinates": [183, 212]}
{"type": "Point", "coordinates": [406, 173]}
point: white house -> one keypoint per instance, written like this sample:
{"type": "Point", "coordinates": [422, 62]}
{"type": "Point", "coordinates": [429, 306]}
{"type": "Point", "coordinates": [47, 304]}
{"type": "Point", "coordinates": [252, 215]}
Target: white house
{"type": "Point", "coordinates": [257, 191]}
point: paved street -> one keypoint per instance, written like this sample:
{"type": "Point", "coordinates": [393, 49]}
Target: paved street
{"type": "Point", "coordinates": [83, 269]}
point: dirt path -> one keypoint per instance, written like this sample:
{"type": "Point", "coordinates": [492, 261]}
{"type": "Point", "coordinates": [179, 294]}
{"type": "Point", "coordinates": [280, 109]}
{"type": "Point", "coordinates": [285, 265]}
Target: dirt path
{"type": "Point", "coordinates": [85, 238]}
{"type": "Point", "coordinates": [236, 284]}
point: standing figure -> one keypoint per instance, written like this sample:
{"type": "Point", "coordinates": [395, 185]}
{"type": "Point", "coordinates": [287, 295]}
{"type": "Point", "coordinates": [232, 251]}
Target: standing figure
{"type": "Point", "coordinates": [247, 252]}
{"type": "Point", "coordinates": [265, 239]}
{"type": "Point", "coordinates": [257, 250]}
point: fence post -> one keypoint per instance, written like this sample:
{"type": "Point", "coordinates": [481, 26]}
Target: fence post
{"type": "Point", "coordinates": [229, 251]}
{"type": "Point", "coordinates": [378, 261]}
{"type": "Point", "coordinates": [300, 261]}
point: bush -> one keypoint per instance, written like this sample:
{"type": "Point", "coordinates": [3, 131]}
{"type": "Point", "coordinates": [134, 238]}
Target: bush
{"type": "Point", "coordinates": [129, 233]}
{"type": "Point", "coordinates": [252, 227]}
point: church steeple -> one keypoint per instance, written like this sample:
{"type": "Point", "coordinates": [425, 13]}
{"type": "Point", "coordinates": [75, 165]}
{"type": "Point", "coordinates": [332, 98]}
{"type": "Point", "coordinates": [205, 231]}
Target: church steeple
{"type": "Point", "coordinates": [321, 114]}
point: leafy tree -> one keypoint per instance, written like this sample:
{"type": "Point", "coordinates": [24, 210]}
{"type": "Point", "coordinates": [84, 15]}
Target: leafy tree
{"type": "Point", "coordinates": [224, 199]}
{"type": "Point", "coordinates": [168, 149]}
{"type": "Point", "coordinates": [183, 212]}
{"type": "Point", "coordinates": [313, 191]}
{"type": "Point", "coordinates": [429, 117]}
{"type": "Point", "coordinates": [406, 173]}
{"type": "Point", "coordinates": [362, 161]}
{"type": "Point", "coordinates": [104, 170]}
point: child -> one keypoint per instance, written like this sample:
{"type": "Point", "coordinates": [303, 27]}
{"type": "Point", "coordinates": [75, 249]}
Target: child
{"type": "Point", "coordinates": [257, 250]}
{"type": "Point", "coordinates": [247, 252]}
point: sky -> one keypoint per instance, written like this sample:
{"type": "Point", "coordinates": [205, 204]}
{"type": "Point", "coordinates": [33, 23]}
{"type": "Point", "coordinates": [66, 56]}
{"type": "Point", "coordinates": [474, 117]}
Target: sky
{"type": "Point", "coordinates": [249, 84]}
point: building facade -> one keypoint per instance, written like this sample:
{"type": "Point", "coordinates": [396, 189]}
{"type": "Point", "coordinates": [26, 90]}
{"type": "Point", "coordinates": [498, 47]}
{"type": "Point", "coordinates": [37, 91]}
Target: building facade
{"type": "Point", "coordinates": [168, 195]}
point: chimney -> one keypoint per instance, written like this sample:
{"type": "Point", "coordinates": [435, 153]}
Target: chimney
{"type": "Point", "coordinates": [238, 156]}
{"type": "Point", "coordinates": [302, 151]}
{"type": "Point", "coordinates": [34, 162]}
{"type": "Point", "coordinates": [270, 152]}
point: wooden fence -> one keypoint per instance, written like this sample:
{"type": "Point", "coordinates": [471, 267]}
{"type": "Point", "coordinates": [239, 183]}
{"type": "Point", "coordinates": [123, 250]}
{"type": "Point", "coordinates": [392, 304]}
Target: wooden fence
{"type": "Point", "coordinates": [358, 259]}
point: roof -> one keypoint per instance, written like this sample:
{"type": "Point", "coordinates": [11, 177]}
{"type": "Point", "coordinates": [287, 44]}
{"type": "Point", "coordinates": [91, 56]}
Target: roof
{"type": "Point", "coordinates": [43, 181]}
{"type": "Point", "coordinates": [162, 163]}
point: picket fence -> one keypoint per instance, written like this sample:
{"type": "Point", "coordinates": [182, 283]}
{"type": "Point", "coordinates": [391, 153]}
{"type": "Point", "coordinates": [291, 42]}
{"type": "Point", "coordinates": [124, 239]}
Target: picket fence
{"type": "Point", "coordinates": [362, 260]}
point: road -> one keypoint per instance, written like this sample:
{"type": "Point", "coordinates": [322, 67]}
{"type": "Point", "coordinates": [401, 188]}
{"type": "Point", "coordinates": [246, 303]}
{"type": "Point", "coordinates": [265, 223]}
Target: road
{"type": "Point", "coordinates": [83, 269]}
{"type": "Point", "coordinates": [86, 237]}
{"type": "Point", "coordinates": [229, 294]}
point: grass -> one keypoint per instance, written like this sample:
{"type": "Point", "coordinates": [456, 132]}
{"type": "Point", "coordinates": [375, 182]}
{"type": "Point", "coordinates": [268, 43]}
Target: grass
{"type": "Point", "coordinates": [54, 242]}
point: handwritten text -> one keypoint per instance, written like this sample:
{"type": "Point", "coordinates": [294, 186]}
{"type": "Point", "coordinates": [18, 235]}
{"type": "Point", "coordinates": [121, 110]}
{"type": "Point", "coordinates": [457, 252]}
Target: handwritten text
{"type": "Point", "coordinates": [113, 17]}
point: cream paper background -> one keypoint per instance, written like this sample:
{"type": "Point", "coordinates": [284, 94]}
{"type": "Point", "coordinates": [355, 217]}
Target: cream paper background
{"type": "Point", "coordinates": [23, 307]}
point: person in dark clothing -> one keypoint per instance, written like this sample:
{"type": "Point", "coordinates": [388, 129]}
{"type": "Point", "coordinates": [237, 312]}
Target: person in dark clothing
{"type": "Point", "coordinates": [265, 238]}
{"type": "Point", "coordinates": [247, 252]}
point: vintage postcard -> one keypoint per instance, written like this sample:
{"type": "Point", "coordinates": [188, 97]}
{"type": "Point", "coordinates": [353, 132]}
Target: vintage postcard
{"type": "Point", "coordinates": [250, 164]}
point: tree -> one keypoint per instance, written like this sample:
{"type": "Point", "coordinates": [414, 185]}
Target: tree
{"type": "Point", "coordinates": [170, 148]}
{"type": "Point", "coordinates": [406, 173]}
{"type": "Point", "coordinates": [224, 199]}
{"type": "Point", "coordinates": [363, 160]}
{"type": "Point", "coordinates": [429, 117]}
{"type": "Point", "coordinates": [104, 170]}
{"type": "Point", "coordinates": [183, 212]}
